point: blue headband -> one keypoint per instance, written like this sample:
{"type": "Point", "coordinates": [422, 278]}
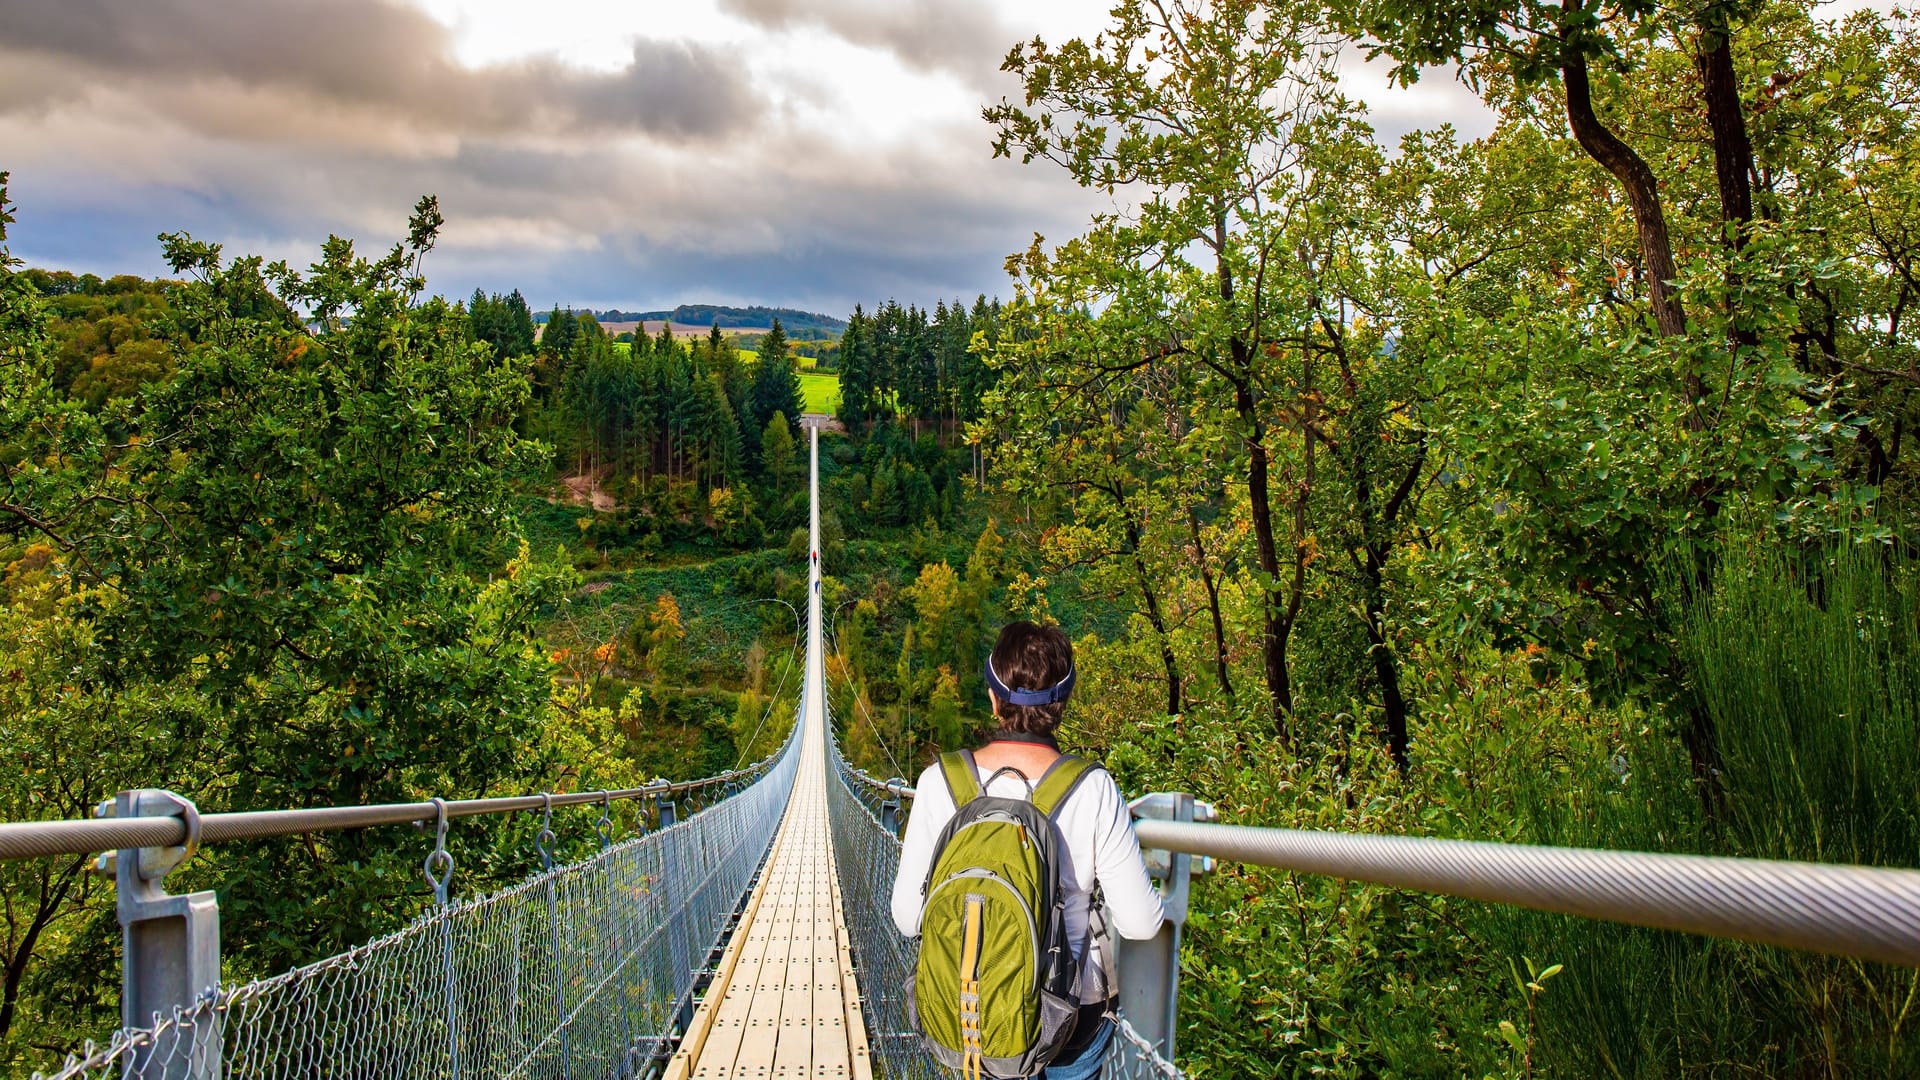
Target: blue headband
{"type": "Point", "coordinates": [1011, 696]}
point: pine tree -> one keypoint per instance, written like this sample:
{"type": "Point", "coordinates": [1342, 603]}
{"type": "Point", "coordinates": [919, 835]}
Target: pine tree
{"type": "Point", "coordinates": [681, 410]}
{"type": "Point", "coordinates": [557, 338]}
{"type": "Point", "coordinates": [724, 436]}
{"type": "Point", "coordinates": [856, 370]}
{"type": "Point", "coordinates": [481, 319]}
{"type": "Point", "coordinates": [518, 332]}
{"type": "Point", "coordinates": [776, 385]}
{"type": "Point", "coordinates": [918, 372]}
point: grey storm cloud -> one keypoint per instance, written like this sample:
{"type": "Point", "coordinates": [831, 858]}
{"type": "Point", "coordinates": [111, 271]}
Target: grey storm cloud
{"type": "Point", "coordinates": [265, 125]}
{"type": "Point", "coordinates": [364, 55]}
{"type": "Point", "coordinates": [937, 35]}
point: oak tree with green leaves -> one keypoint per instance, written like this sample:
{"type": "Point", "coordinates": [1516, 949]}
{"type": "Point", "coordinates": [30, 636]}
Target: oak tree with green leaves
{"type": "Point", "coordinates": [272, 582]}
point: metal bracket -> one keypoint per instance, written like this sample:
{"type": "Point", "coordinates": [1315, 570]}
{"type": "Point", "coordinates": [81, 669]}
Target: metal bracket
{"type": "Point", "coordinates": [1150, 970]}
{"type": "Point", "coordinates": [890, 818]}
{"type": "Point", "coordinates": [170, 944]}
{"type": "Point", "coordinates": [665, 809]}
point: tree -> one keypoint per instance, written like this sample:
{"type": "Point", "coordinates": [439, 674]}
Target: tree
{"type": "Point", "coordinates": [778, 459]}
{"type": "Point", "coordinates": [516, 335]}
{"type": "Point", "coordinates": [296, 560]}
{"type": "Point", "coordinates": [857, 387]}
{"type": "Point", "coordinates": [1235, 177]}
{"type": "Point", "coordinates": [665, 635]}
{"type": "Point", "coordinates": [1537, 41]}
{"type": "Point", "coordinates": [776, 384]}
{"type": "Point", "coordinates": [939, 604]}
{"type": "Point", "coordinates": [556, 339]}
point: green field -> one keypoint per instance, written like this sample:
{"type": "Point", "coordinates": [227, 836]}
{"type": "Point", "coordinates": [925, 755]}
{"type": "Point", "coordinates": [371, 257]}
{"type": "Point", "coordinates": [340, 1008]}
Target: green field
{"type": "Point", "coordinates": [820, 393]}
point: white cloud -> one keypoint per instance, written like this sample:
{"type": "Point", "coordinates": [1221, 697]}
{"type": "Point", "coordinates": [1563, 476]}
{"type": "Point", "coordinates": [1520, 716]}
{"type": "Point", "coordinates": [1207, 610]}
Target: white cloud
{"type": "Point", "coordinates": [631, 154]}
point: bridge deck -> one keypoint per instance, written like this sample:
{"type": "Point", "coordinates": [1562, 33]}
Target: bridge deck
{"type": "Point", "coordinates": [783, 1002]}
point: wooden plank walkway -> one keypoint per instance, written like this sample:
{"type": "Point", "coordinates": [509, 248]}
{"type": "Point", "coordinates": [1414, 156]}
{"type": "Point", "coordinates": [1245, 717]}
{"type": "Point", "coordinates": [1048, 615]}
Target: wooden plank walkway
{"type": "Point", "coordinates": [783, 1002]}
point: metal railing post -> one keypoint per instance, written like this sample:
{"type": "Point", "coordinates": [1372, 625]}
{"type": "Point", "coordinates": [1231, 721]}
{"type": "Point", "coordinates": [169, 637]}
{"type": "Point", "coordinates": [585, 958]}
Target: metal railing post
{"type": "Point", "coordinates": [679, 937]}
{"type": "Point", "coordinates": [890, 818]}
{"type": "Point", "coordinates": [1149, 971]}
{"type": "Point", "coordinates": [170, 945]}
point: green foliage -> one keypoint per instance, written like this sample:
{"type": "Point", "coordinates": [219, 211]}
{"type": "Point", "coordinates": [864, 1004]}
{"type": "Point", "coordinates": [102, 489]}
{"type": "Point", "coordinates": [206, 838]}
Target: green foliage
{"type": "Point", "coordinates": [776, 382]}
{"type": "Point", "coordinates": [271, 580]}
{"type": "Point", "coordinates": [504, 322]}
{"type": "Point", "coordinates": [1431, 457]}
{"type": "Point", "coordinates": [898, 361]}
{"type": "Point", "coordinates": [779, 458]}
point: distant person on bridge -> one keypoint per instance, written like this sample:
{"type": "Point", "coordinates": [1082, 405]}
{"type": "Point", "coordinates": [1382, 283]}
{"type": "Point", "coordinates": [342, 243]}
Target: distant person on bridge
{"type": "Point", "coordinates": [968, 836]}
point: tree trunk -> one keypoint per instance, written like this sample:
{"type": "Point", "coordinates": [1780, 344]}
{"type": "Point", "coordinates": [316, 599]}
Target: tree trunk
{"type": "Point", "coordinates": [1152, 603]}
{"type": "Point", "coordinates": [1643, 191]}
{"type": "Point", "coordinates": [1732, 152]}
{"type": "Point", "coordinates": [1732, 157]}
{"type": "Point", "coordinates": [1213, 604]}
{"type": "Point", "coordinates": [1166, 647]}
{"type": "Point", "coordinates": [1385, 667]}
{"type": "Point", "coordinates": [1276, 626]}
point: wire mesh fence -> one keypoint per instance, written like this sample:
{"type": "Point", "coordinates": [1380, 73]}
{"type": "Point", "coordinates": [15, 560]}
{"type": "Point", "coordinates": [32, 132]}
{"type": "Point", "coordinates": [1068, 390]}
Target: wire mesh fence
{"type": "Point", "coordinates": [580, 971]}
{"type": "Point", "coordinates": [868, 856]}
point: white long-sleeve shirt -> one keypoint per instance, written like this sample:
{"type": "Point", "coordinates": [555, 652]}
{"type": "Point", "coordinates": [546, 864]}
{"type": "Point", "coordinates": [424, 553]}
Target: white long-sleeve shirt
{"type": "Point", "coordinates": [1099, 846]}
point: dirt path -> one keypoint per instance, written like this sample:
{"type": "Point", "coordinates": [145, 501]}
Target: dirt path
{"type": "Point", "coordinates": [583, 489]}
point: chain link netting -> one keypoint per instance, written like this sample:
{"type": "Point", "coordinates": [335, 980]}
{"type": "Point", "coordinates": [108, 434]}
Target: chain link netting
{"type": "Point", "coordinates": [583, 970]}
{"type": "Point", "coordinates": [868, 855]}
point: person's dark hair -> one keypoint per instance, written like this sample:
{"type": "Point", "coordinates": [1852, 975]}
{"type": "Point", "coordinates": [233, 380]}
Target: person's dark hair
{"type": "Point", "coordinates": [1029, 656]}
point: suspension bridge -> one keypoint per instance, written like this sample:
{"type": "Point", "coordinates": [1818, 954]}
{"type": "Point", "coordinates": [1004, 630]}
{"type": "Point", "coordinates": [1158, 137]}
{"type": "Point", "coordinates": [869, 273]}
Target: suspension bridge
{"type": "Point", "coordinates": [745, 931]}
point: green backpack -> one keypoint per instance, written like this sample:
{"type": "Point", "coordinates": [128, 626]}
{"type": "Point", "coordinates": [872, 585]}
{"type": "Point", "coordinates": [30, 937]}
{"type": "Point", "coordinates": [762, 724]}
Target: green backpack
{"type": "Point", "coordinates": [995, 991]}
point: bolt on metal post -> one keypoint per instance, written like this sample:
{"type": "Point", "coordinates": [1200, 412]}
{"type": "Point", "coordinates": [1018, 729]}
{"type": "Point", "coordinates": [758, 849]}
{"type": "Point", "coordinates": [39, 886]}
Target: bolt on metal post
{"type": "Point", "coordinates": [170, 945]}
{"type": "Point", "coordinates": [1150, 970]}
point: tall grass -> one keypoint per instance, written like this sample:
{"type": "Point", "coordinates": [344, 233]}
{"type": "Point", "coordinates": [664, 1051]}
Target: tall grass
{"type": "Point", "coordinates": [1807, 663]}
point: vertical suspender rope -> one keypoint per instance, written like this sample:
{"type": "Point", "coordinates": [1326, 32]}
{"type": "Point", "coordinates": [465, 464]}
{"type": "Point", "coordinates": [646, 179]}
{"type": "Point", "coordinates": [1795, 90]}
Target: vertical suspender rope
{"type": "Point", "coordinates": [544, 843]}
{"type": "Point", "coordinates": [443, 858]}
{"type": "Point", "coordinates": [605, 827]}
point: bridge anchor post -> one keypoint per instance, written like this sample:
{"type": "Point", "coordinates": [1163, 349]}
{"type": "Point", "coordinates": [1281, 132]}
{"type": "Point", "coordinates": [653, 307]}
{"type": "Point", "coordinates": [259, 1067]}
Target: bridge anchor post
{"type": "Point", "coordinates": [170, 946]}
{"type": "Point", "coordinates": [1150, 970]}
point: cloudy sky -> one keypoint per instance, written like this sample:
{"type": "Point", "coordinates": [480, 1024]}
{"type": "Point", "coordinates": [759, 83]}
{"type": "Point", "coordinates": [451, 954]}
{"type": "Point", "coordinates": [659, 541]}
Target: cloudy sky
{"type": "Point", "coordinates": [599, 153]}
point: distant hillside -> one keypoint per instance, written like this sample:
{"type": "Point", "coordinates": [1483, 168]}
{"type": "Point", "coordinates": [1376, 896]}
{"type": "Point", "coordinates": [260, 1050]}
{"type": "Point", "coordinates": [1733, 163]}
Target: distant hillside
{"type": "Point", "coordinates": [793, 321]}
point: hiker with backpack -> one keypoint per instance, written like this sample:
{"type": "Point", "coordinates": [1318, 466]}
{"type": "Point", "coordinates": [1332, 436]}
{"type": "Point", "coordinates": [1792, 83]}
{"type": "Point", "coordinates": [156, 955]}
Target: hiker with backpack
{"type": "Point", "coordinates": [1017, 862]}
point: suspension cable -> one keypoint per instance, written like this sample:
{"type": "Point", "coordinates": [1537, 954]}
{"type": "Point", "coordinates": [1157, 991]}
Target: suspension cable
{"type": "Point", "coordinates": [786, 671]}
{"type": "Point", "coordinates": [858, 705]}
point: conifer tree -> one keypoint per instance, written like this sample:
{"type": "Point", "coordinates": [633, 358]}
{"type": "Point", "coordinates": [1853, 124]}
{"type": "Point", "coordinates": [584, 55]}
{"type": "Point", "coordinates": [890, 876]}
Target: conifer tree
{"type": "Point", "coordinates": [856, 370]}
{"type": "Point", "coordinates": [776, 385]}
{"type": "Point", "coordinates": [517, 333]}
{"type": "Point", "coordinates": [557, 338]}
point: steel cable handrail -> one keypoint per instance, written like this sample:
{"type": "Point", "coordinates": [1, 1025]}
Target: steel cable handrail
{"type": "Point", "coordinates": [32, 839]}
{"type": "Point", "coordinates": [580, 969]}
{"type": "Point", "coordinates": [1871, 913]}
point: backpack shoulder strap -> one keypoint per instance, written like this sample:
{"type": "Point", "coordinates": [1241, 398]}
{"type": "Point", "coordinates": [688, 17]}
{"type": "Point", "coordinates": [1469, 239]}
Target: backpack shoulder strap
{"type": "Point", "coordinates": [962, 782]}
{"type": "Point", "coordinates": [1060, 781]}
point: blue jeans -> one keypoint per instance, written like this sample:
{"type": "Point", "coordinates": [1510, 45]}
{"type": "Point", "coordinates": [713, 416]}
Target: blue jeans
{"type": "Point", "coordinates": [1086, 1064]}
